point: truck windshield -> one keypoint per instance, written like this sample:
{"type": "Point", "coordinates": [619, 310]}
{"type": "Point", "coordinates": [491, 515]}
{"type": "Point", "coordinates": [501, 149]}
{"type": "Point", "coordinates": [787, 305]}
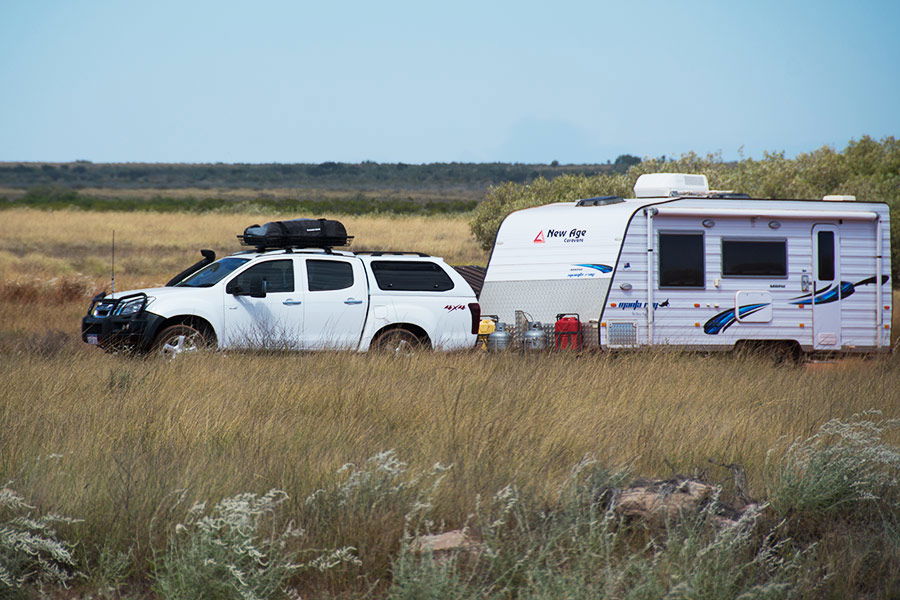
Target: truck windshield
{"type": "Point", "coordinates": [212, 274]}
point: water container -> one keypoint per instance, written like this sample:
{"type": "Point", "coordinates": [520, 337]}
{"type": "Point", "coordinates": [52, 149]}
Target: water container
{"type": "Point", "coordinates": [499, 339]}
{"type": "Point", "coordinates": [567, 332]}
{"type": "Point", "coordinates": [535, 338]}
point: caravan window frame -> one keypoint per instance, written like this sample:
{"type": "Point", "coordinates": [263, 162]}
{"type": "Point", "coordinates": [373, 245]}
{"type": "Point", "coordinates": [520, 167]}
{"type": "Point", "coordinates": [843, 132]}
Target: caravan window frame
{"type": "Point", "coordinates": [745, 238]}
{"type": "Point", "coordinates": [659, 270]}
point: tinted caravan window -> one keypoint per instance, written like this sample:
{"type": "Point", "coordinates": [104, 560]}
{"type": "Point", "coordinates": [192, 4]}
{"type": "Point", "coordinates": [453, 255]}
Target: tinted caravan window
{"type": "Point", "coordinates": [409, 276]}
{"type": "Point", "coordinates": [756, 258]}
{"type": "Point", "coordinates": [324, 275]}
{"type": "Point", "coordinates": [681, 260]}
{"type": "Point", "coordinates": [825, 241]}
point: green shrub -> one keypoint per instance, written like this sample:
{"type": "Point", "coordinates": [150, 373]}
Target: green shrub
{"type": "Point", "coordinates": [576, 548]}
{"type": "Point", "coordinates": [427, 578]}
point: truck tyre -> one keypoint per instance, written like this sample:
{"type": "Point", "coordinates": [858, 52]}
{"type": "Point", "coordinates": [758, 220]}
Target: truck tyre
{"type": "Point", "coordinates": [179, 339]}
{"type": "Point", "coordinates": [401, 342]}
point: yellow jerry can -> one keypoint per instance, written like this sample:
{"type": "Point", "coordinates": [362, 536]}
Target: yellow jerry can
{"type": "Point", "coordinates": [486, 327]}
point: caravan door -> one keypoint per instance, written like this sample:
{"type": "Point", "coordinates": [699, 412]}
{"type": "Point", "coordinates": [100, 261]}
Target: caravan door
{"type": "Point", "coordinates": [826, 269]}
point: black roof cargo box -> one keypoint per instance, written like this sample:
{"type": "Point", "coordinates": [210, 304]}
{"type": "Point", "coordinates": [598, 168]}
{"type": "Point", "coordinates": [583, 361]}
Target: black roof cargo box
{"type": "Point", "coordinates": [296, 233]}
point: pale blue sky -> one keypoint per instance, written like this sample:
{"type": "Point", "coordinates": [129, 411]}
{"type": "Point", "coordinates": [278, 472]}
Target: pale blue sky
{"type": "Point", "coordinates": [282, 81]}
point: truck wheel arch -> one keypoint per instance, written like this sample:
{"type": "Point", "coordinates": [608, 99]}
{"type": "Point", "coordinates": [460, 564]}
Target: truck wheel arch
{"type": "Point", "coordinates": [414, 329]}
{"type": "Point", "coordinates": [192, 320]}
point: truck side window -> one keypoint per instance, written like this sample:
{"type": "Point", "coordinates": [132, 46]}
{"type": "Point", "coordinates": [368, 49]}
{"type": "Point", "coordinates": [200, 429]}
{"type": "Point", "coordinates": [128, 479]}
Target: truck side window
{"type": "Point", "coordinates": [411, 276]}
{"type": "Point", "coordinates": [681, 261]}
{"type": "Point", "coordinates": [323, 275]}
{"type": "Point", "coordinates": [278, 275]}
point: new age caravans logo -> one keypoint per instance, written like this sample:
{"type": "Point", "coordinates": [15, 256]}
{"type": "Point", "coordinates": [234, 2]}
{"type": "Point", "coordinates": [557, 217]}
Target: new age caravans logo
{"type": "Point", "coordinates": [572, 235]}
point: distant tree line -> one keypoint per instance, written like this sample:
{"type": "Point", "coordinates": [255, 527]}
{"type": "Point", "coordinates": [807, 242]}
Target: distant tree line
{"type": "Point", "coordinates": [365, 175]}
{"type": "Point", "coordinates": [353, 203]}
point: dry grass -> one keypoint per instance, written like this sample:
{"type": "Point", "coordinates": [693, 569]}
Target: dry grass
{"type": "Point", "coordinates": [111, 439]}
{"type": "Point", "coordinates": [151, 247]}
{"type": "Point", "coordinates": [126, 434]}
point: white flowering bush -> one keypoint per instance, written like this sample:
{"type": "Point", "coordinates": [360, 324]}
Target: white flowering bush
{"type": "Point", "coordinates": [843, 466]}
{"type": "Point", "coordinates": [383, 490]}
{"type": "Point", "coordinates": [383, 480]}
{"type": "Point", "coordinates": [31, 552]}
{"type": "Point", "coordinates": [235, 551]}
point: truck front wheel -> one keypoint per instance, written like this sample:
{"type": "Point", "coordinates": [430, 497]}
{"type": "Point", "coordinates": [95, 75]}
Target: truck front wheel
{"type": "Point", "coordinates": [398, 341]}
{"type": "Point", "coordinates": [180, 339]}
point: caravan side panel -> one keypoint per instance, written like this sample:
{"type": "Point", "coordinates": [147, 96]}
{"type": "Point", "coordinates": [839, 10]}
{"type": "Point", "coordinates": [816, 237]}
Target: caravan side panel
{"type": "Point", "coordinates": [772, 308]}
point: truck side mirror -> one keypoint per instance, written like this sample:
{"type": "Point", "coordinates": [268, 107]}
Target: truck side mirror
{"type": "Point", "coordinates": [258, 288]}
{"type": "Point", "coordinates": [233, 288]}
{"type": "Point", "coordinates": [255, 288]}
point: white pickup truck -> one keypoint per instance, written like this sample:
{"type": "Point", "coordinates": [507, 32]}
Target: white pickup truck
{"type": "Point", "coordinates": [294, 299]}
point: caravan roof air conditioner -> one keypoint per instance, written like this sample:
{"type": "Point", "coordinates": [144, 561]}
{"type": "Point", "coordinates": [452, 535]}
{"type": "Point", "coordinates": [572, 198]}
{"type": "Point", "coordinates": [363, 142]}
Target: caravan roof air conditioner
{"type": "Point", "coordinates": [664, 185]}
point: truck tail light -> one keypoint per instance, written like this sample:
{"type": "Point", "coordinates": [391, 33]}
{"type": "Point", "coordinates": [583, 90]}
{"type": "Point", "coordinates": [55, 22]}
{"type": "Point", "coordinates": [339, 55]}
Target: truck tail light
{"type": "Point", "coordinates": [475, 310]}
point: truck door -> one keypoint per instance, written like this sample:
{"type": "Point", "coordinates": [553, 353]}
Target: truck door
{"type": "Point", "coordinates": [826, 270]}
{"type": "Point", "coordinates": [272, 322]}
{"type": "Point", "coordinates": [336, 302]}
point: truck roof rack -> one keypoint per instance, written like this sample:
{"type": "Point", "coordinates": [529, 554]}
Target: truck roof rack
{"type": "Point", "coordinates": [390, 253]}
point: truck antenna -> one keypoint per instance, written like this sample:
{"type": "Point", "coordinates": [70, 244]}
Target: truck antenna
{"type": "Point", "coordinates": [113, 265]}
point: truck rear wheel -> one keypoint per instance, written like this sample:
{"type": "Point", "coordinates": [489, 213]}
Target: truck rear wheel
{"type": "Point", "coordinates": [399, 341]}
{"type": "Point", "coordinates": [180, 339]}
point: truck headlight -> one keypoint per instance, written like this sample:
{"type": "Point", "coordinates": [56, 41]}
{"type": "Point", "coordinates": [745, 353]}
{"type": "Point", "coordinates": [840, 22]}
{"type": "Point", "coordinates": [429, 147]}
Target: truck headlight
{"type": "Point", "coordinates": [131, 307]}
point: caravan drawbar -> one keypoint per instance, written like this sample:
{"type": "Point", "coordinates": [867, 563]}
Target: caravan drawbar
{"type": "Point", "coordinates": [681, 265]}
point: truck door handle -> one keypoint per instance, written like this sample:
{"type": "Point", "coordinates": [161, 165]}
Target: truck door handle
{"type": "Point", "coordinates": [290, 302]}
{"type": "Point", "coordinates": [352, 301]}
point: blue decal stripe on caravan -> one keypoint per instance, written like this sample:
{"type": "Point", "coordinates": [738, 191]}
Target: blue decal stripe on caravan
{"type": "Point", "coordinates": [601, 268]}
{"type": "Point", "coordinates": [726, 319]}
{"type": "Point", "coordinates": [830, 294]}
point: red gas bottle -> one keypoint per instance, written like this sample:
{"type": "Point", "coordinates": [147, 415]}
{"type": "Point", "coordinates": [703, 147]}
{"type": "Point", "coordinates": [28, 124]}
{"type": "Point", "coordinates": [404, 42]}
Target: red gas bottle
{"type": "Point", "coordinates": [567, 332]}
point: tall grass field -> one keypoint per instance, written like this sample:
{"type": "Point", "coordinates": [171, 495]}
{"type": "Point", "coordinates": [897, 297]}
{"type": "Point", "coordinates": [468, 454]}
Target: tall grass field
{"type": "Point", "coordinates": [278, 475]}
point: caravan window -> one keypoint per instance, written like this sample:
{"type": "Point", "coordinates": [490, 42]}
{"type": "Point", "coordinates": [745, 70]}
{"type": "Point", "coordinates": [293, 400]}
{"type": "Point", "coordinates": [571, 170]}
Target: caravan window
{"type": "Point", "coordinates": [826, 255]}
{"type": "Point", "coordinates": [754, 258]}
{"type": "Point", "coordinates": [681, 260]}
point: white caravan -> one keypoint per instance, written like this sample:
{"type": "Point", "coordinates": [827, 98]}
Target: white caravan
{"type": "Point", "coordinates": [680, 265]}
